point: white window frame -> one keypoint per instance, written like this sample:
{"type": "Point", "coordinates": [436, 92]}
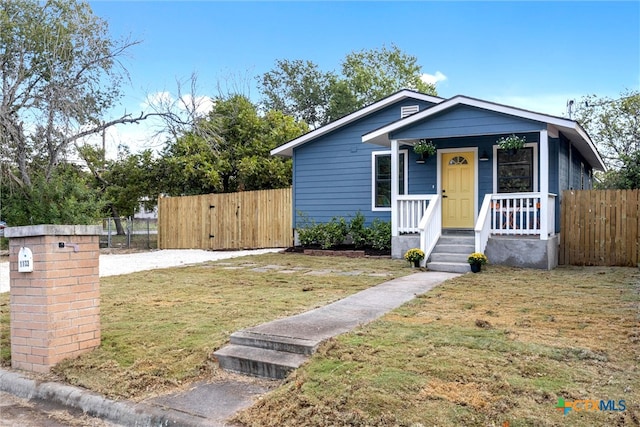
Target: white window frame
{"type": "Point", "coordinates": [536, 166]}
{"type": "Point", "coordinates": [375, 154]}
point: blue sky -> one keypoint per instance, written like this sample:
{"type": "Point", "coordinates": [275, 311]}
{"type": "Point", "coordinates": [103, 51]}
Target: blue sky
{"type": "Point", "coordinates": [534, 55]}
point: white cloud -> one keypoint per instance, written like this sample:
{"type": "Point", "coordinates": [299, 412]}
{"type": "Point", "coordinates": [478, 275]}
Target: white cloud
{"type": "Point", "coordinates": [433, 78]}
{"type": "Point", "coordinates": [202, 104]}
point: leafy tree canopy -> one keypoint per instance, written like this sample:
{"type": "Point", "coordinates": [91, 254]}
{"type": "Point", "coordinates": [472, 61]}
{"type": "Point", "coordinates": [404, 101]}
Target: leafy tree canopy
{"type": "Point", "coordinates": [229, 151]}
{"type": "Point", "coordinates": [59, 73]}
{"type": "Point", "coordinates": [614, 126]}
{"type": "Point", "coordinates": [300, 89]}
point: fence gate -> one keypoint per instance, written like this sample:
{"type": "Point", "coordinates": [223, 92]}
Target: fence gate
{"type": "Point", "coordinates": [250, 219]}
{"type": "Point", "coordinates": [600, 227]}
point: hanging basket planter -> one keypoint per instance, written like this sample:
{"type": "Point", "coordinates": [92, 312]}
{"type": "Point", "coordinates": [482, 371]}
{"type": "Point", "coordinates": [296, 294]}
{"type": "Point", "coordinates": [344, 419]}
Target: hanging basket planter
{"type": "Point", "coordinates": [424, 149]}
{"type": "Point", "coordinates": [511, 143]}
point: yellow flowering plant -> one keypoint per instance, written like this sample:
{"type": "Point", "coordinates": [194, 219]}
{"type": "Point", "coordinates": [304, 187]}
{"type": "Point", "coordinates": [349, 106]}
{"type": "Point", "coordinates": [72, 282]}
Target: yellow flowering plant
{"type": "Point", "coordinates": [414, 254]}
{"type": "Point", "coordinates": [477, 258]}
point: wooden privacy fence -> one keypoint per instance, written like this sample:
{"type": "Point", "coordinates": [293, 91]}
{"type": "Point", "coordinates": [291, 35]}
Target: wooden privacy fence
{"type": "Point", "coordinates": [600, 227]}
{"type": "Point", "coordinates": [245, 220]}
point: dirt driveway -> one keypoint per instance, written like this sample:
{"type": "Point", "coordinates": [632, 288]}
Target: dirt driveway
{"type": "Point", "coordinates": [115, 264]}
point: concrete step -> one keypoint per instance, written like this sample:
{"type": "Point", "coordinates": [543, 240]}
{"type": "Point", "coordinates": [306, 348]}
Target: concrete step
{"type": "Point", "coordinates": [457, 240]}
{"type": "Point", "coordinates": [259, 362]}
{"type": "Point", "coordinates": [454, 249]}
{"type": "Point", "coordinates": [449, 267]}
{"type": "Point", "coordinates": [449, 257]}
{"type": "Point", "coordinates": [274, 342]}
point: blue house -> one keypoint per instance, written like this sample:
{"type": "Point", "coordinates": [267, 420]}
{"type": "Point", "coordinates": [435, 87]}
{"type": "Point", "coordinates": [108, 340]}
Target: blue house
{"type": "Point", "coordinates": [470, 196]}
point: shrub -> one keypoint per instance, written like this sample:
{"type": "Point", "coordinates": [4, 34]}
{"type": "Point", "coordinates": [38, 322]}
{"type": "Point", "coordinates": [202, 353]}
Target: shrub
{"type": "Point", "coordinates": [332, 233]}
{"type": "Point", "coordinates": [336, 231]}
{"type": "Point", "coordinates": [360, 235]}
{"type": "Point", "coordinates": [380, 234]}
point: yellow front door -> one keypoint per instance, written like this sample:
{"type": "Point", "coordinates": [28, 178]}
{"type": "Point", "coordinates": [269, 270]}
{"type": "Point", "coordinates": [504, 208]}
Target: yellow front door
{"type": "Point", "coordinates": [458, 173]}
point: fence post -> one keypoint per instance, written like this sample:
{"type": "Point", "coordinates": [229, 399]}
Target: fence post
{"type": "Point", "coordinates": [129, 231]}
{"type": "Point", "coordinates": [109, 232]}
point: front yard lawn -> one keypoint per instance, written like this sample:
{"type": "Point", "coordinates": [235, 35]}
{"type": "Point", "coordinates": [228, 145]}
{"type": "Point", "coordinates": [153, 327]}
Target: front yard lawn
{"type": "Point", "coordinates": [490, 349]}
{"type": "Point", "coordinates": [160, 328]}
{"type": "Point", "coordinates": [502, 346]}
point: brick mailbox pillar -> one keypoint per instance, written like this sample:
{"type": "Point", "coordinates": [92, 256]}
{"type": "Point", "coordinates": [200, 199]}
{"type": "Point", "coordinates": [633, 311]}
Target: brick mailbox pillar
{"type": "Point", "coordinates": [55, 308]}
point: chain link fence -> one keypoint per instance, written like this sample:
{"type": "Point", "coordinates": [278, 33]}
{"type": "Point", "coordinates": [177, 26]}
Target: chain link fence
{"type": "Point", "coordinates": [129, 233]}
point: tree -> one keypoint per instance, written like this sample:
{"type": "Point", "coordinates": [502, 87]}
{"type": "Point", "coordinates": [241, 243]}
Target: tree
{"type": "Point", "coordinates": [125, 183]}
{"type": "Point", "coordinates": [373, 74]}
{"type": "Point", "coordinates": [612, 124]}
{"type": "Point", "coordinates": [626, 177]}
{"type": "Point", "coordinates": [59, 74]}
{"type": "Point", "coordinates": [229, 151]}
{"type": "Point", "coordinates": [300, 89]}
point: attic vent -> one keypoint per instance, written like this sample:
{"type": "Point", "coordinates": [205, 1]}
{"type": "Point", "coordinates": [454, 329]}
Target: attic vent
{"type": "Point", "coordinates": [408, 110]}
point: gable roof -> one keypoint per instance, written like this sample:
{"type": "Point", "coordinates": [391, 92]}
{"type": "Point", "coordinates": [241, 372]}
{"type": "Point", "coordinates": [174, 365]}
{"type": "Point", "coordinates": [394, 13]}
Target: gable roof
{"type": "Point", "coordinates": [286, 150]}
{"type": "Point", "coordinates": [570, 128]}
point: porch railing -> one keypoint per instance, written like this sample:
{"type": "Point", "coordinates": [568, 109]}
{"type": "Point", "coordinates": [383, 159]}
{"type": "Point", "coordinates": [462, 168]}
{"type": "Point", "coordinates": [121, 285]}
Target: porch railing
{"type": "Point", "coordinates": [431, 227]}
{"type": "Point", "coordinates": [513, 214]}
{"type": "Point", "coordinates": [411, 209]}
{"type": "Point", "coordinates": [421, 214]}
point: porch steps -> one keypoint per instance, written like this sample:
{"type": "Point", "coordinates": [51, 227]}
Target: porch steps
{"type": "Point", "coordinates": [264, 355]}
{"type": "Point", "coordinates": [451, 252]}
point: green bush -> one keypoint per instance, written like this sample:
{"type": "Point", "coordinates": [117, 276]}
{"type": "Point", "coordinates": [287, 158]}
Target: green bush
{"type": "Point", "coordinates": [380, 234]}
{"type": "Point", "coordinates": [332, 233]}
{"type": "Point", "coordinates": [336, 231]}
{"type": "Point", "coordinates": [360, 234]}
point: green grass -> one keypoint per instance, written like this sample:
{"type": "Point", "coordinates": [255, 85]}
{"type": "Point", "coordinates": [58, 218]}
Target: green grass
{"type": "Point", "coordinates": [159, 328]}
{"type": "Point", "coordinates": [479, 350]}
{"type": "Point", "coordinates": [571, 333]}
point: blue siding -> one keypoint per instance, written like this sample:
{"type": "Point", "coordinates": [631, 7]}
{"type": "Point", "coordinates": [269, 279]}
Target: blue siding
{"type": "Point", "coordinates": [466, 121]}
{"type": "Point", "coordinates": [332, 174]}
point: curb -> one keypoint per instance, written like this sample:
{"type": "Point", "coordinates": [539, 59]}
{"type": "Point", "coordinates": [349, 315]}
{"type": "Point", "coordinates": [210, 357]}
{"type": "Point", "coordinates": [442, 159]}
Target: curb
{"type": "Point", "coordinates": [118, 412]}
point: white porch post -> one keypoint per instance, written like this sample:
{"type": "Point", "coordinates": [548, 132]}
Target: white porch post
{"type": "Point", "coordinates": [544, 185]}
{"type": "Point", "coordinates": [395, 187]}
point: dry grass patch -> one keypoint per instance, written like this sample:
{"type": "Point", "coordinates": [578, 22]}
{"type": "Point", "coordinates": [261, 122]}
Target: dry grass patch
{"type": "Point", "coordinates": [480, 350]}
{"type": "Point", "coordinates": [160, 327]}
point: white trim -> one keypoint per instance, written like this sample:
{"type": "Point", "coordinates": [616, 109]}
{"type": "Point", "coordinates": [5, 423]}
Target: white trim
{"type": "Point", "coordinates": [558, 124]}
{"type": "Point", "coordinates": [287, 149]}
{"type": "Point", "coordinates": [544, 186]}
{"type": "Point", "coordinates": [473, 150]}
{"type": "Point", "coordinates": [471, 102]}
{"type": "Point", "coordinates": [536, 166]}
{"type": "Point", "coordinates": [373, 177]}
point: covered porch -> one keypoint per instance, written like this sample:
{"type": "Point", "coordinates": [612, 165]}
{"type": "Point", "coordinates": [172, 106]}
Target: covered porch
{"type": "Point", "coordinates": [508, 220]}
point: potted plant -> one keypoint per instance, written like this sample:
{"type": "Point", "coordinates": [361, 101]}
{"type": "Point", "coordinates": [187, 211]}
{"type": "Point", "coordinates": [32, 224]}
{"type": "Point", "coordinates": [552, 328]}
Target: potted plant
{"type": "Point", "coordinates": [476, 260]}
{"type": "Point", "coordinates": [424, 149]}
{"type": "Point", "coordinates": [414, 256]}
{"type": "Point", "coordinates": [511, 143]}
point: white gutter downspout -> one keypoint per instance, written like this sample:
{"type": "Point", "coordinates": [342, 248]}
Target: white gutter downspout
{"type": "Point", "coordinates": [544, 185]}
{"type": "Point", "coordinates": [395, 187]}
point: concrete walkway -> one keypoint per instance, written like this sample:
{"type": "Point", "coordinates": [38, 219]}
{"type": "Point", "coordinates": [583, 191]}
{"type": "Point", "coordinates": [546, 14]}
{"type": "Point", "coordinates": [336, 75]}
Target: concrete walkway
{"type": "Point", "coordinates": [211, 403]}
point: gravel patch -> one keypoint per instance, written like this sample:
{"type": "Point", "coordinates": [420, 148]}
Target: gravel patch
{"type": "Point", "coordinates": [116, 264]}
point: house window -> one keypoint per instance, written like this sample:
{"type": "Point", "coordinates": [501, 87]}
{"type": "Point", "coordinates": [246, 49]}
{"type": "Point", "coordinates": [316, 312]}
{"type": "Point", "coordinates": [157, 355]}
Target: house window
{"type": "Point", "coordinates": [515, 171]}
{"type": "Point", "coordinates": [382, 178]}
{"type": "Point", "coordinates": [458, 160]}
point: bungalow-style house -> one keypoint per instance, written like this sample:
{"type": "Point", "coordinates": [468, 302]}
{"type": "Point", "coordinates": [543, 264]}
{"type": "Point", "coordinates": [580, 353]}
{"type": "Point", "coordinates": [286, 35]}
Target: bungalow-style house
{"type": "Point", "coordinates": [470, 196]}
